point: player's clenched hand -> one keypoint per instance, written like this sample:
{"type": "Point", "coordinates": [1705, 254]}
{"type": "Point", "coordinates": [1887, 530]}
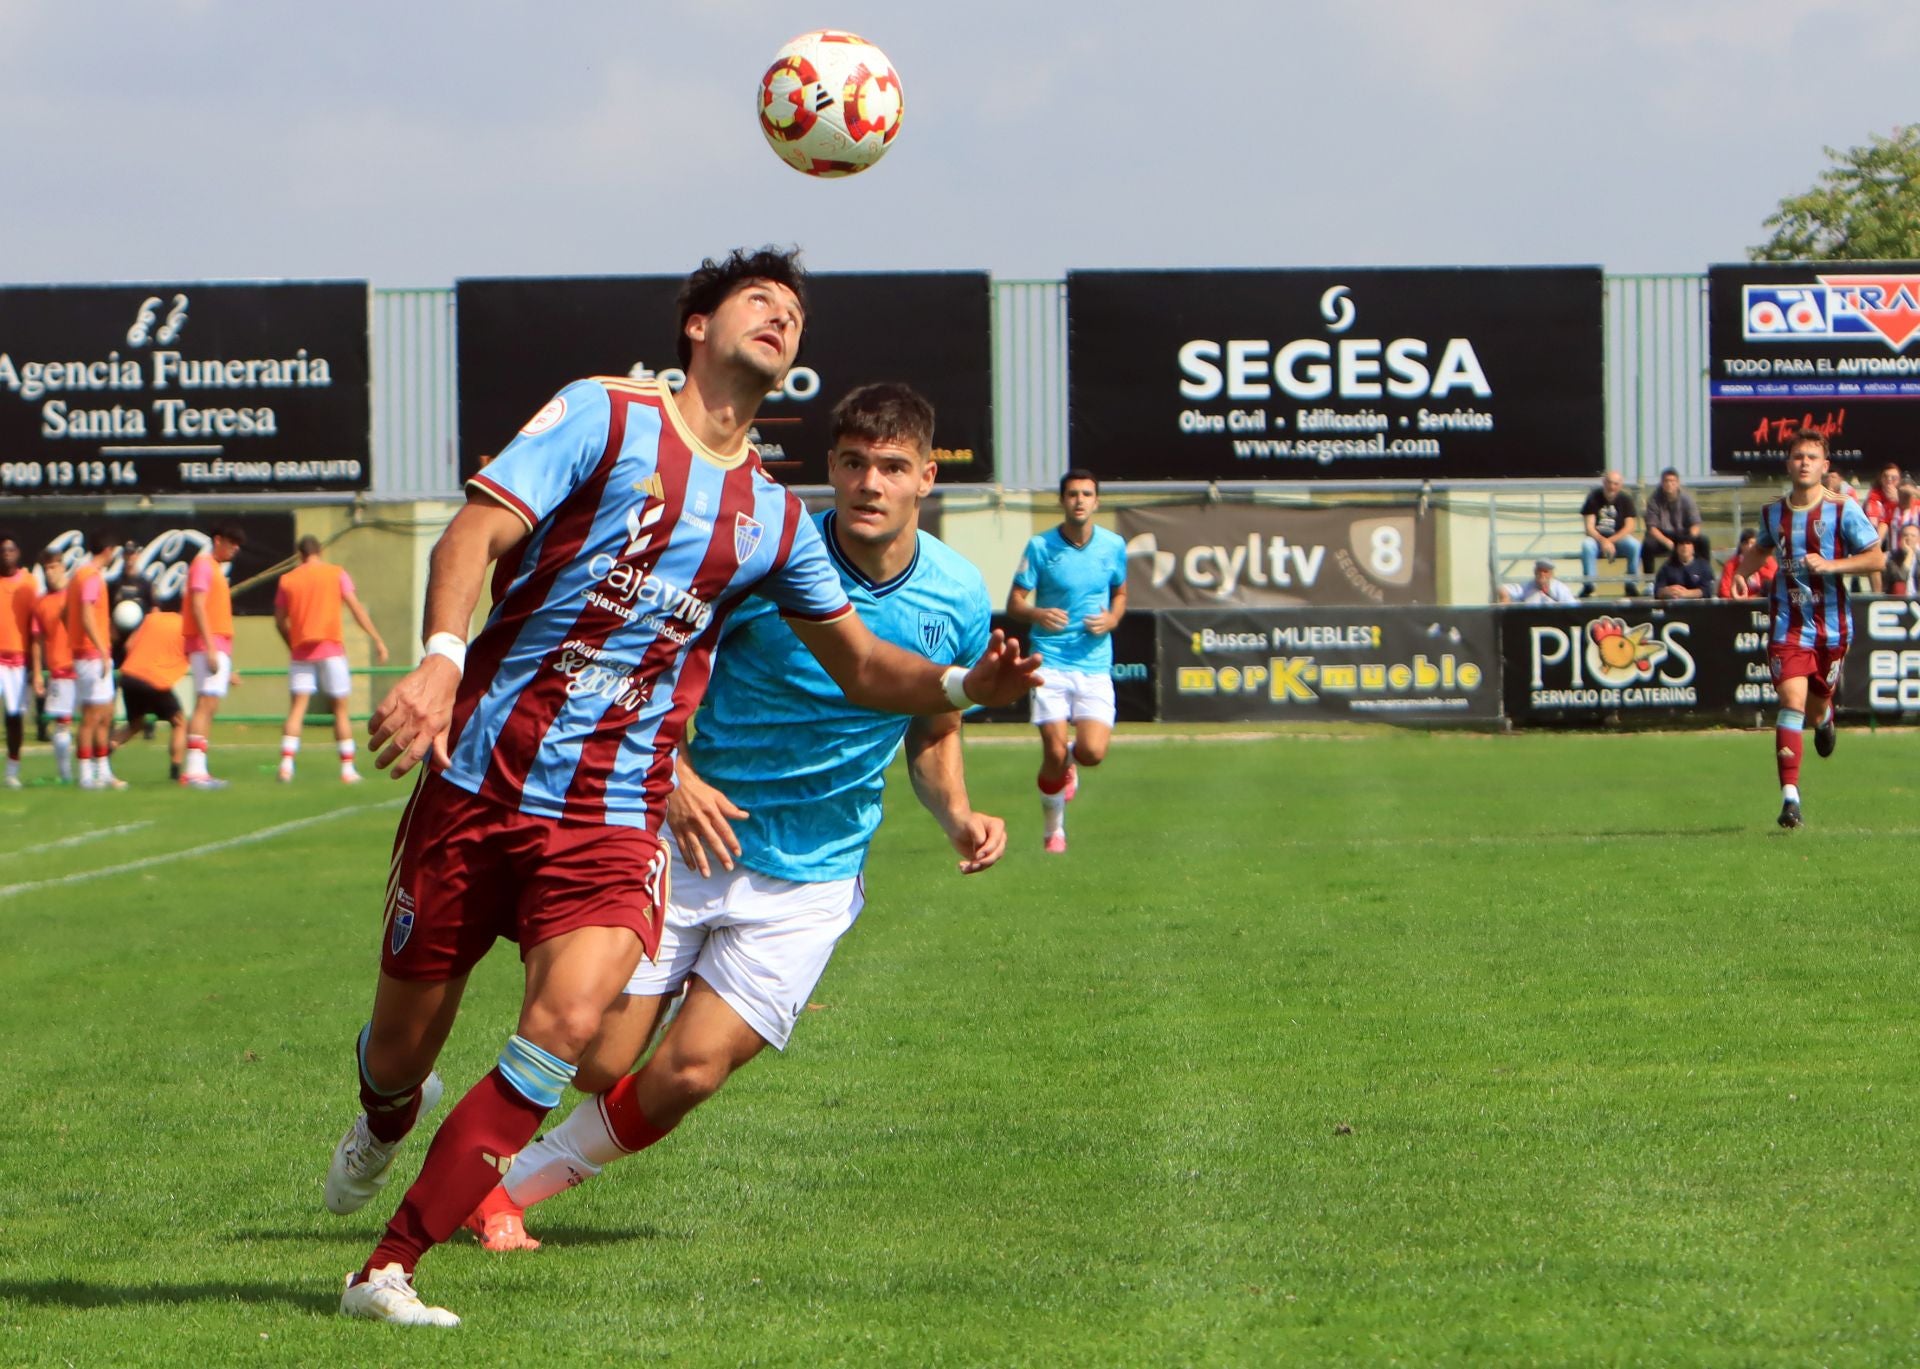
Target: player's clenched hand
{"type": "Point", "coordinates": [1052, 619]}
{"type": "Point", "coordinates": [1099, 624]}
{"type": "Point", "coordinates": [980, 840]}
{"type": "Point", "coordinates": [1816, 563]}
{"type": "Point", "coordinates": [1002, 674]}
{"type": "Point", "coordinates": [698, 814]}
{"type": "Point", "coordinates": [415, 716]}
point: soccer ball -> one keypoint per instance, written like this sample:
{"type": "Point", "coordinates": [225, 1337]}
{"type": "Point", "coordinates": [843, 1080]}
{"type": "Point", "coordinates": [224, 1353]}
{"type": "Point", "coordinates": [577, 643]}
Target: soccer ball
{"type": "Point", "coordinates": [127, 615]}
{"type": "Point", "coordinates": [830, 104]}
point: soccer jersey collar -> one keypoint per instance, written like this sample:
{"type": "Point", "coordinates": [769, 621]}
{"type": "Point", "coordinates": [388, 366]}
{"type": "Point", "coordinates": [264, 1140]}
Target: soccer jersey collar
{"type": "Point", "coordinates": [878, 588]}
{"type": "Point", "coordinates": [671, 409]}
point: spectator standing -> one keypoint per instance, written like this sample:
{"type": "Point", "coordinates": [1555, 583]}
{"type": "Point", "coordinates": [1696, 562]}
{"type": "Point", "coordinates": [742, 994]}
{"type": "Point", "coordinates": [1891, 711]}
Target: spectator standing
{"type": "Point", "coordinates": [1671, 511]}
{"type": "Point", "coordinates": [1883, 500]}
{"type": "Point", "coordinates": [1685, 576]}
{"type": "Point", "coordinates": [1610, 519]}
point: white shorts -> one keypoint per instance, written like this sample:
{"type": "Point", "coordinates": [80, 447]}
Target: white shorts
{"type": "Point", "coordinates": [212, 673]}
{"type": "Point", "coordinates": [1079, 695]}
{"type": "Point", "coordinates": [93, 682]}
{"type": "Point", "coordinates": [762, 942]}
{"type": "Point", "coordinates": [59, 698]}
{"type": "Point", "coordinates": [329, 675]}
{"type": "Point", "coordinates": [13, 690]}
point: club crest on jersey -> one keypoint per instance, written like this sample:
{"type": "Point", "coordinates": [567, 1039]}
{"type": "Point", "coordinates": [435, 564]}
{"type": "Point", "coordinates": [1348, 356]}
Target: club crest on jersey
{"type": "Point", "coordinates": [400, 924]}
{"type": "Point", "coordinates": [746, 537]}
{"type": "Point", "coordinates": [933, 634]}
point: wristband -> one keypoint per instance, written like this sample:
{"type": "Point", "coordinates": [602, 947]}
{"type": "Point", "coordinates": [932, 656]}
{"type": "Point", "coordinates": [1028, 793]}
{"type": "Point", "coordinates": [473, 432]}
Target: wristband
{"type": "Point", "coordinates": [448, 644]}
{"type": "Point", "coordinates": [954, 680]}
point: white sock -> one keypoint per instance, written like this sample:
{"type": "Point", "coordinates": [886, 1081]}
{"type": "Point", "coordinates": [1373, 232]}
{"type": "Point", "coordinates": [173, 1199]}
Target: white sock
{"type": "Point", "coordinates": [13, 768]}
{"type": "Point", "coordinates": [196, 758]}
{"type": "Point", "coordinates": [87, 771]}
{"type": "Point", "coordinates": [103, 768]}
{"type": "Point", "coordinates": [1053, 809]}
{"type": "Point", "coordinates": [346, 755]}
{"type": "Point", "coordinates": [572, 1153]}
{"type": "Point", "coordinates": [63, 753]}
{"type": "Point", "coordinates": [1790, 792]}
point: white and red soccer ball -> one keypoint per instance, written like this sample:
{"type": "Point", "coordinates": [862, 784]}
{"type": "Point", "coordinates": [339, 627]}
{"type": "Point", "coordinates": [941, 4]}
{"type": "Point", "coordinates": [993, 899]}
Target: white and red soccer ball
{"type": "Point", "coordinates": [830, 104]}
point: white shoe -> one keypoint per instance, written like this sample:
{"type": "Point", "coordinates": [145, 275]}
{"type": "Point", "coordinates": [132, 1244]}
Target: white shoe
{"type": "Point", "coordinates": [286, 773]}
{"type": "Point", "coordinates": [348, 775]}
{"type": "Point", "coordinates": [387, 1295]}
{"type": "Point", "coordinates": [13, 782]}
{"type": "Point", "coordinates": [362, 1162]}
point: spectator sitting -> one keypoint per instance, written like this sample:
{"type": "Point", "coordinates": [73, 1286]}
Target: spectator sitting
{"type": "Point", "coordinates": [1754, 586]}
{"type": "Point", "coordinates": [1671, 511]}
{"type": "Point", "coordinates": [1685, 576]}
{"type": "Point", "coordinates": [1882, 501]}
{"type": "Point", "coordinates": [1543, 590]}
{"type": "Point", "coordinates": [1610, 519]}
{"type": "Point", "coordinates": [1901, 575]}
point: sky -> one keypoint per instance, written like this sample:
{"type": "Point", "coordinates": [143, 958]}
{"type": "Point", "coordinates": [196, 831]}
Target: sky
{"type": "Point", "coordinates": [412, 144]}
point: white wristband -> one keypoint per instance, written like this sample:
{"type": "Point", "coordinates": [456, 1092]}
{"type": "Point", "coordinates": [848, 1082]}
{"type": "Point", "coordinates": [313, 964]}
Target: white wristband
{"type": "Point", "coordinates": [954, 680]}
{"type": "Point", "coordinates": [448, 644]}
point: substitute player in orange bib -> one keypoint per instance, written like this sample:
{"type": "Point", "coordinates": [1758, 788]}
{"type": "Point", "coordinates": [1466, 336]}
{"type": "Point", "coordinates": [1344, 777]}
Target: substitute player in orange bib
{"type": "Point", "coordinates": [53, 662]}
{"type": "Point", "coordinates": [18, 590]}
{"type": "Point", "coordinates": [209, 642]}
{"type": "Point", "coordinates": [306, 609]}
{"type": "Point", "coordinates": [90, 638]}
{"type": "Point", "coordinates": [155, 662]}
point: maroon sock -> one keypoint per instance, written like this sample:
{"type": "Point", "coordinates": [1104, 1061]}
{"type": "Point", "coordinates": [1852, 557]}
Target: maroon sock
{"type": "Point", "coordinates": [470, 1152]}
{"type": "Point", "coordinates": [628, 1125]}
{"type": "Point", "coordinates": [1053, 786]}
{"type": "Point", "coordinates": [1789, 744]}
{"type": "Point", "coordinates": [390, 1116]}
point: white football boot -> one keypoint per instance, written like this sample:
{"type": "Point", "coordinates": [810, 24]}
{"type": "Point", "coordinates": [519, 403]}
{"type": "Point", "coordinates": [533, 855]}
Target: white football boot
{"type": "Point", "coordinates": [387, 1295]}
{"type": "Point", "coordinates": [362, 1162]}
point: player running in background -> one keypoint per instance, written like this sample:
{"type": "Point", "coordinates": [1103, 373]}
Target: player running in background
{"type": "Point", "coordinates": [784, 776]}
{"type": "Point", "coordinates": [306, 609]}
{"type": "Point", "coordinates": [1820, 539]}
{"type": "Point", "coordinates": [209, 642]}
{"type": "Point", "coordinates": [1072, 587]}
{"type": "Point", "coordinates": [18, 591]}
{"type": "Point", "coordinates": [53, 680]}
{"type": "Point", "coordinates": [627, 521]}
{"type": "Point", "coordinates": [155, 661]}
{"type": "Point", "coordinates": [90, 638]}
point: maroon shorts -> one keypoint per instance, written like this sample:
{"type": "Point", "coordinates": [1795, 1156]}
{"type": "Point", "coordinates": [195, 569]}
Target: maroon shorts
{"type": "Point", "coordinates": [467, 870]}
{"type": "Point", "coordinates": [1819, 666]}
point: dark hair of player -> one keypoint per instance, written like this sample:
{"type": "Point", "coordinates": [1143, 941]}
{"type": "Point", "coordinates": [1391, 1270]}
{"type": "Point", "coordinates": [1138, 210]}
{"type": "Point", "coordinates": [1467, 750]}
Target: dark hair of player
{"type": "Point", "coordinates": [99, 540]}
{"type": "Point", "coordinates": [886, 412]}
{"type": "Point", "coordinates": [708, 288]}
{"type": "Point", "coordinates": [1810, 435]}
{"type": "Point", "coordinates": [49, 556]}
{"type": "Point", "coordinates": [309, 545]}
{"type": "Point", "coordinates": [1079, 473]}
{"type": "Point", "coordinates": [229, 532]}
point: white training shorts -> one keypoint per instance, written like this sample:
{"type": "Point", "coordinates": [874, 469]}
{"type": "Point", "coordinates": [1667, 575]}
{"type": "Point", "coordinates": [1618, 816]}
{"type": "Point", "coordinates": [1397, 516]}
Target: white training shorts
{"type": "Point", "coordinates": [93, 681]}
{"type": "Point", "coordinates": [60, 698]}
{"type": "Point", "coordinates": [760, 941]}
{"type": "Point", "coordinates": [212, 673]}
{"type": "Point", "coordinates": [329, 676]}
{"type": "Point", "coordinates": [1073, 695]}
{"type": "Point", "coordinates": [13, 690]}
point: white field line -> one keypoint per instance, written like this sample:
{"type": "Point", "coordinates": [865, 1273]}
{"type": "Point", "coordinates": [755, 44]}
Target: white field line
{"type": "Point", "coordinates": [77, 839]}
{"type": "Point", "coordinates": [168, 857]}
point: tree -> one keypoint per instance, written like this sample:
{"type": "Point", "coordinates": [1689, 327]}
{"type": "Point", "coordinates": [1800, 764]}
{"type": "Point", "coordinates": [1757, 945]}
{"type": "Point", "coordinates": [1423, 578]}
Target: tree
{"type": "Point", "coordinates": [1865, 207]}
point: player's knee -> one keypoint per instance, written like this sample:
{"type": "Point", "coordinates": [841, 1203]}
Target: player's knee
{"type": "Point", "coordinates": [565, 1029]}
{"type": "Point", "coordinates": [692, 1079]}
{"type": "Point", "coordinates": [1089, 753]}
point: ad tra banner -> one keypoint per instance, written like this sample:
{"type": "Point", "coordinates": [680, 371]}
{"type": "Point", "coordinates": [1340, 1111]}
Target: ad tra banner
{"type": "Point", "coordinates": [1247, 555]}
{"type": "Point", "coordinates": [1135, 675]}
{"type": "Point", "coordinates": [1388, 665]}
{"type": "Point", "coordinates": [186, 388]}
{"type": "Point", "coordinates": [1337, 374]}
{"type": "Point", "coordinates": [1827, 345]}
{"type": "Point", "coordinates": [521, 340]}
{"type": "Point", "coordinates": [1638, 659]}
{"type": "Point", "coordinates": [156, 551]}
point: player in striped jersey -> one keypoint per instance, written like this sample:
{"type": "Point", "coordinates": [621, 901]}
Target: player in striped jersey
{"type": "Point", "coordinates": [18, 591]}
{"type": "Point", "coordinates": [786, 776]}
{"type": "Point", "coordinates": [626, 521]}
{"type": "Point", "coordinates": [1820, 539]}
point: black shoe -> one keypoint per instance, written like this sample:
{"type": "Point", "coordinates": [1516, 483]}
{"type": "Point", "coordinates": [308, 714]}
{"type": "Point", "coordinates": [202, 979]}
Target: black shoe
{"type": "Point", "coordinates": [1586, 591]}
{"type": "Point", "coordinates": [1790, 814]}
{"type": "Point", "coordinates": [1824, 737]}
{"type": "Point", "coordinates": [1633, 591]}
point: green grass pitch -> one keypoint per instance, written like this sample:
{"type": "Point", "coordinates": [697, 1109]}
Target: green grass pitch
{"type": "Point", "coordinates": [1387, 1048]}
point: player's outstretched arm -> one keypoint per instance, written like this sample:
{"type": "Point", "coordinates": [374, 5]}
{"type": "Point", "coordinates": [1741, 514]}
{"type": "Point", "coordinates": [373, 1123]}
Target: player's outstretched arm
{"type": "Point", "coordinates": [700, 817]}
{"type": "Point", "coordinates": [939, 780]}
{"type": "Point", "coordinates": [414, 717]}
{"type": "Point", "coordinates": [877, 674]}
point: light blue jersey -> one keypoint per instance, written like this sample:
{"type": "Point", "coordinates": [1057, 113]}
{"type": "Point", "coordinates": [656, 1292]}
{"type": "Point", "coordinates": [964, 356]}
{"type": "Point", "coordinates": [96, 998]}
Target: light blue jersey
{"type": "Point", "coordinates": [1057, 574]}
{"type": "Point", "coordinates": [777, 736]}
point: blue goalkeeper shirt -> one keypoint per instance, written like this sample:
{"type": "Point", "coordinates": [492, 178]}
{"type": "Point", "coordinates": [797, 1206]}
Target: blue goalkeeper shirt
{"type": "Point", "coordinates": [776, 735]}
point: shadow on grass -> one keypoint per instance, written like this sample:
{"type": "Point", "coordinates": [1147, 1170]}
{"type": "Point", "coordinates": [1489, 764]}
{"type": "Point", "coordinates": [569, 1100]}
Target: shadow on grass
{"type": "Point", "coordinates": [73, 1293]}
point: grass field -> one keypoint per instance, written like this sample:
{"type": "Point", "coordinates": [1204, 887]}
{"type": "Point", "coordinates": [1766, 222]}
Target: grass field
{"type": "Point", "coordinates": [1312, 1049]}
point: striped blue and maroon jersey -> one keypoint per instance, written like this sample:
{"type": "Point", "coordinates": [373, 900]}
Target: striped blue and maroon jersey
{"type": "Point", "coordinates": [1811, 610]}
{"type": "Point", "coordinates": [640, 541]}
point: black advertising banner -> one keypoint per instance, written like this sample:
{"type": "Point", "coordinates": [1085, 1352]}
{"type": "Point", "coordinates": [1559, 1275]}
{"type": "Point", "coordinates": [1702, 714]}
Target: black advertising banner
{"type": "Point", "coordinates": [1245, 555]}
{"type": "Point", "coordinates": [1827, 345]}
{"type": "Point", "coordinates": [520, 340]}
{"type": "Point", "coordinates": [198, 388]}
{"type": "Point", "coordinates": [1386, 665]}
{"type": "Point", "coordinates": [158, 548]}
{"type": "Point", "coordinates": [1638, 659]}
{"type": "Point", "coordinates": [1337, 374]}
{"type": "Point", "coordinates": [1135, 676]}
{"type": "Point", "coordinates": [1882, 674]}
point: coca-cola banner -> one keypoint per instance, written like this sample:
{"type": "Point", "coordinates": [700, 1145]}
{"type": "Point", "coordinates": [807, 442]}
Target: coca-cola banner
{"type": "Point", "coordinates": [155, 550]}
{"type": "Point", "coordinates": [1246, 555]}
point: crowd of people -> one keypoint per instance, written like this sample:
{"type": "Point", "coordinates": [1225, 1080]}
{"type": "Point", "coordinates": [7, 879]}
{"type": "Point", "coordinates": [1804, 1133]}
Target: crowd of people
{"type": "Point", "coordinates": [1668, 544]}
{"type": "Point", "coordinates": [71, 640]}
